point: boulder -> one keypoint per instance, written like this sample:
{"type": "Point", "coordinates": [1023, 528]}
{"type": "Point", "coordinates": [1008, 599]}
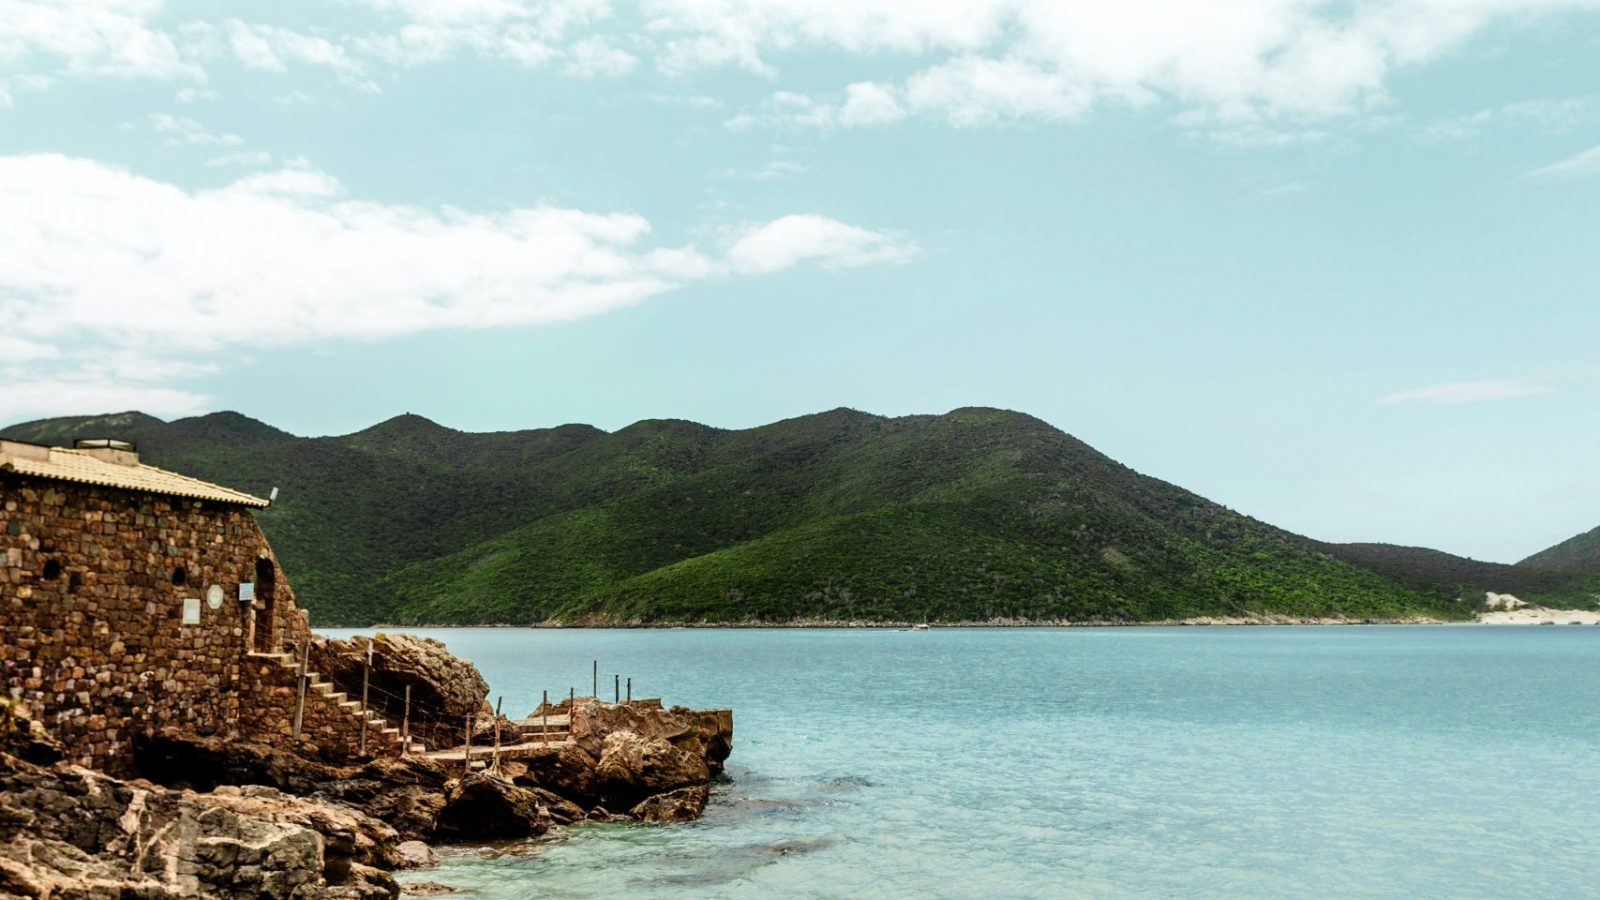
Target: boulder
{"type": "Point", "coordinates": [705, 733]}
{"type": "Point", "coordinates": [682, 805]}
{"type": "Point", "coordinates": [562, 769]}
{"type": "Point", "coordinates": [485, 806]}
{"type": "Point", "coordinates": [445, 688]}
{"type": "Point", "coordinates": [633, 767]}
{"type": "Point", "coordinates": [415, 855]}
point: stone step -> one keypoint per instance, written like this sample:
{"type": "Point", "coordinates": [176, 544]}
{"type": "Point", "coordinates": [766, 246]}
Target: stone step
{"type": "Point", "coordinates": [285, 659]}
{"type": "Point", "coordinates": [417, 748]}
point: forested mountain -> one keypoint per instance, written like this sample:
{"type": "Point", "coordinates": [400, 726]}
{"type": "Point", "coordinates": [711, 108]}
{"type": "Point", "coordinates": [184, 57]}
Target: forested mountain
{"type": "Point", "coordinates": [974, 515]}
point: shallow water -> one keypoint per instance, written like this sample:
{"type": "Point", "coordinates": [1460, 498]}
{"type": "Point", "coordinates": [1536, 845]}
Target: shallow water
{"type": "Point", "coordinates": [1178, 762]}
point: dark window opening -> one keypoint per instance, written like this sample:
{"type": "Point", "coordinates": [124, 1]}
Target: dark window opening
{"type": "Point", "coordinates": [180, 577]}
{"type": "Point", "coordinates": [52, 570]}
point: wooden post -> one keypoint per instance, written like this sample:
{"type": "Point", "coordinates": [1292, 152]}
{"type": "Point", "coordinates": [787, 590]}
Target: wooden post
{"type": "Point", "coordinates": [466, 749]}
{"type": "Point", "coordinates": [630, 689]}
{"type": "Point", "coordinates": [300, 695]}
{"type": "Point", "coordinates": [595, 691]}
{"type": "Point", "coordinates": [405, 725]}
{"type": "Point", "coordinates": [366, 674]}
{"type": "Point", "coordinates": [544, 723]}
{"type": "Point", "coordinates": [495, 760]}
{"type": "Point", "coordinates": [616, 688]}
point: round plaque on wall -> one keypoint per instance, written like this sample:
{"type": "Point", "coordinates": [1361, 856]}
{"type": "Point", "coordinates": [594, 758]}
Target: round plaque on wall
{"type": "Point", "coordinates": [214, 596]}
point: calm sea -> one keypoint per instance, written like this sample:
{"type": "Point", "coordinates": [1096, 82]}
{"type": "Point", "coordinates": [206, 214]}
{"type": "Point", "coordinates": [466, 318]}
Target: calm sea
{"type": "Point", "coordinates": [1451, 761]}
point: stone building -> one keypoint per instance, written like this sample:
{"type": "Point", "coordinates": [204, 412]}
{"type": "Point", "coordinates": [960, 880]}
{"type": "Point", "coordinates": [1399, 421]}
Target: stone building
{"type": "Point", "coordinates": [133, 600]}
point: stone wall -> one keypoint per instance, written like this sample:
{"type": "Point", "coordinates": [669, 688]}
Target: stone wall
{"type": "Point", "coordinates": [92, 637]}
{"type": "Point", "coordinates": [326, 730]}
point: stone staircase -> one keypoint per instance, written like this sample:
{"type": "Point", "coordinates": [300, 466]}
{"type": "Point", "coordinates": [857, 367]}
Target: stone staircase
{"type": "Point", "coordinates": [380, 734]}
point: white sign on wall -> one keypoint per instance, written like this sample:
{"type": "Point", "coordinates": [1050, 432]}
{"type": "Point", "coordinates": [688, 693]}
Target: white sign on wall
{"type": "Point", "coordinates": [214, 596]}
{"type": "Point", "coordinates": [191, 610]}
{"type": "Point", "coordinates": [247, 592]}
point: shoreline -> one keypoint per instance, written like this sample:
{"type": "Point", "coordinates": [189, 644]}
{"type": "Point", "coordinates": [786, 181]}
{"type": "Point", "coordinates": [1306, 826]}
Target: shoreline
{"type": "Point", "coordinates": [1194, 622]}
{"type": "Point", "coordinates": [1524, 616]}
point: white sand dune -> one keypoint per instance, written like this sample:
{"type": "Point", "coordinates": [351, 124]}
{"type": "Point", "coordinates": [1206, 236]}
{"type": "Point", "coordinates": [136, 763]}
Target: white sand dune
{"type": "Point", "coordinates": [1538, 615]}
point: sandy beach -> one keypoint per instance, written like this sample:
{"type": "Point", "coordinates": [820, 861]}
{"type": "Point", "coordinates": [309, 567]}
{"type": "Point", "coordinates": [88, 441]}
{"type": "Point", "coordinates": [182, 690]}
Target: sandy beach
{"type": "Point", "coordinates": [1532, 615]}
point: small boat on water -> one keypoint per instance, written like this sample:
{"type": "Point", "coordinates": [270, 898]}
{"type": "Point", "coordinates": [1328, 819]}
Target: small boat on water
{"type": "Point", "coordinates": [922, 627]}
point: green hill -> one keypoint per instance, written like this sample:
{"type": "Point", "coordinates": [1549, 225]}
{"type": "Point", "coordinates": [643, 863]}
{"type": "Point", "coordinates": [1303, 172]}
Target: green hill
{"type": "Point", "coordinates": [1575, 555]}
{"type": "Point", "coordinates": [974, 515]}
{"type": "Point", "coordinates": [1432, 569]}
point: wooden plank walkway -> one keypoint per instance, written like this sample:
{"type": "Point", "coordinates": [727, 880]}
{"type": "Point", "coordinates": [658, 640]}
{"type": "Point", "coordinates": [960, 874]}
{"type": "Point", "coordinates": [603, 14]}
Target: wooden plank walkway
{"type": "Point", "coordinates": [507, 751]}
{"type": "Point", "coordinates": [530, 736]}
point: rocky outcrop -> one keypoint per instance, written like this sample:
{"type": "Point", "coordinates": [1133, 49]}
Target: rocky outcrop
{"type": "Point", "coordinates": [406, 793]}
{"type": "Point", "coordinates": [67, 831]}
{"type": "Point", "coordinates": [445, 689]}
{"type": "Point", "coordinates": [237, 818]}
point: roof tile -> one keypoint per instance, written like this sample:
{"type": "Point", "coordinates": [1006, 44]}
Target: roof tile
{"type": "Point", "coordinates": [73, 465]}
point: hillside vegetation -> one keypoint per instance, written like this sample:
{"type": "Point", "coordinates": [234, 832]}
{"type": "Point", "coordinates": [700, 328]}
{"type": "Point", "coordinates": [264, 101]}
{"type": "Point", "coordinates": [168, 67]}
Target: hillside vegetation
{"type": "Point", "coordinates": [978, 514]}
{"type": "Point", "coordinates": [1576, 555]}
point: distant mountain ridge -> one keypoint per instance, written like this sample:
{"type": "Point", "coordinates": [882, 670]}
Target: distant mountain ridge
{"type": "Point", "coordinates": [975, 515]}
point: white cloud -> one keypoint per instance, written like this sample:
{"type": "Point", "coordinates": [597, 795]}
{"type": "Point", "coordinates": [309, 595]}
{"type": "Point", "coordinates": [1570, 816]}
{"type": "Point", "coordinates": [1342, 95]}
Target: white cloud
{"type": "Point", "coordinates": [787, 109]}
{"type": "Point", "coordinates": [1581, 165]}
{"type": "Point", "coordinates": [782, 243]}
{"type": "Point", "coordinates": [595, 57]}
{"type": "Point", "coordinates": [111, 278]}
{"type": "Point", "coordinates": [527, 32]}
{"type": "Point", "coordinates": [90, 38]}
{"type": "Point", "coordinates": [978, 91]}
{"type": "Point", "coordinates": [1552, 116]}
{"type": "Point", "coordinates": [242, 158]}
{"type": "Point", "coordinates": [985, 61]}
{"type": "Point", "coordinates": [86, 392]}
{"type": "Point", "coordinates": [189, 95]}
{"type": "Point", "coordinates": [866, 103]}
{"type": "Point", "coordinates": [270, 48]}
{"type": "Point", "coordinates": [1469, 392]}
{"type": "Point", "coordinates": [182, 132]}
{"type": "Point", "coordinates": [771, 171]}
{"type": "Point", "coordinates": [1237, 67]}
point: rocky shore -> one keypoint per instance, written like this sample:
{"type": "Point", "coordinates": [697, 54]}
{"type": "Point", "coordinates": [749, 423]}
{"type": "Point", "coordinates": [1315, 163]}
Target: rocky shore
{"type": "Point", "coordinates": [234, 818]}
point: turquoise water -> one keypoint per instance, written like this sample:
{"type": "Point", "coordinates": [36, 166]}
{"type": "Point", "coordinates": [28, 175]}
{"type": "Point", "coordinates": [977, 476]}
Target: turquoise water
{"type": "Point", "coordinates": [1109, 762]}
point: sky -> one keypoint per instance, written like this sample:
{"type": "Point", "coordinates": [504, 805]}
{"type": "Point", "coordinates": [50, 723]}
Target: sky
{"type": "Point", "coordinates": [1332, 264]}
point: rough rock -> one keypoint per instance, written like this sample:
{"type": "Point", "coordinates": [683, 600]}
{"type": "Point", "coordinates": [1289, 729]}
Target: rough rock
{"type": "Point", "coordinates": [67, 831]}
{"type": "Point", "coordinates": [445, 688]}
{"type": "Point", "coordinates": [563, 769]}
{"type": "Point", "coordinates": [707, 734]}
{"type": "Point", "coordinates": [24, 737]}
{"type": "Point", "coordinates": [428, 889]}
{"type": "Point", "coordinates": [682, 805]}
{"type": "Point", "coordinates": [415, 855]}
{"type": "Point", "coordinates": [633, 767]}
{"type": "Point", "coordinates": [405, 793]}
{"type": "Point", "coordinates": [484, 806]}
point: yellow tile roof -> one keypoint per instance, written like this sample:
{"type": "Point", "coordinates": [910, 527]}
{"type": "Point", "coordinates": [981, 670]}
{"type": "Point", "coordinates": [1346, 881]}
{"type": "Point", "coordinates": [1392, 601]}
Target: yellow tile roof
{"type": "Point", "coordinates": [62, 464]}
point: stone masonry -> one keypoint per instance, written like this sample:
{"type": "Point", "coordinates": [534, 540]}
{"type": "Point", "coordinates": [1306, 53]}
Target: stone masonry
{"type": "Point", "coordinates": [94, 582]}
